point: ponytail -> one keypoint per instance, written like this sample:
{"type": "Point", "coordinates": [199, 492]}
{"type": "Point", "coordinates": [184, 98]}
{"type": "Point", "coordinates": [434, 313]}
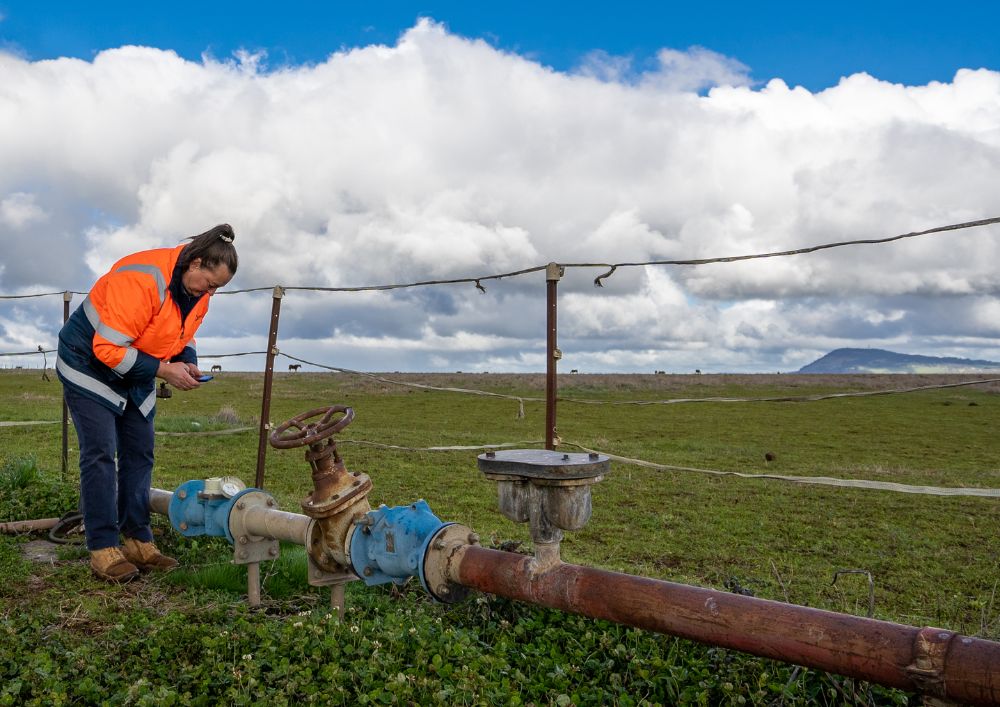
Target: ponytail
{"type": "Point", "coordinates": [214, 247]}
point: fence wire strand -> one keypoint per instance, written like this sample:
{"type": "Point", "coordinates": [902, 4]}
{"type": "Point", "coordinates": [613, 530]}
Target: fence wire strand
{"type": "Point", "coordinates": [782, 399]}
{"type": "Point", "coordinates": [612, 267]}
{"type": "Point", "coordinates": [29, 353]}
{"type": "Point", "coordinates": [782, 253]}
{"type": "Point", "coordinates": [813, 480]}
{"type": "Point", "coordinates": [470, 391]}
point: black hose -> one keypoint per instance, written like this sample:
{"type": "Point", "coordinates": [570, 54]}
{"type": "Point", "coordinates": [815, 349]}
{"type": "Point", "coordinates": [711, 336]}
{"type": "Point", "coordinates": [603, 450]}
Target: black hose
{"type": "Point", "coordinates": [69, 529]}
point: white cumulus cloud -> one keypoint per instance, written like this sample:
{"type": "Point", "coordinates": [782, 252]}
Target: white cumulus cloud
{"type": "Point", "coordinates": [443, 157]}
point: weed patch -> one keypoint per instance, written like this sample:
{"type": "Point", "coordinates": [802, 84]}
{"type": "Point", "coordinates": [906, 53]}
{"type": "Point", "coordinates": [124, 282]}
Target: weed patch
{"type": "Point", "coordinates": [27, 493]}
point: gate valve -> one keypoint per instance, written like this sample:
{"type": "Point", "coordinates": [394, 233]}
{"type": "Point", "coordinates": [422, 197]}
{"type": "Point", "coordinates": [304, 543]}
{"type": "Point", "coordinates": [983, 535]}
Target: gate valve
{"type": "Point", "coordinates": [339, 497]}
{"type": "Point", "coordinates": [333, 485]}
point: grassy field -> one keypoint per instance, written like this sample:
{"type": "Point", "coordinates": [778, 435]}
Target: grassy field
{"type": "Point", "coordinates": [933, 560]}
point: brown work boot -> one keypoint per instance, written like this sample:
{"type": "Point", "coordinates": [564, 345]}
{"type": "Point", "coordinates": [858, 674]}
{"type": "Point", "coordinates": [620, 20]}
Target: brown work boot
{"type": "Point", "coordinates": [146, 556]}
{"type": "Point", "coordinates": [110, 565]}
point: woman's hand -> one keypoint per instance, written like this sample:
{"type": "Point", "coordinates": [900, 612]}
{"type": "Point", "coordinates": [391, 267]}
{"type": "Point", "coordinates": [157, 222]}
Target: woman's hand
{"type": "Point", "coordinates": [178, 375]}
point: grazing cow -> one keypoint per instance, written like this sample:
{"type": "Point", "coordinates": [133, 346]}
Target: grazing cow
{"type": "Point", "coordinates": [294, 366]}
{"type": "Point", "coordinates": [216, 367]}
{"type": "Point", "coordinates": [574, 371]}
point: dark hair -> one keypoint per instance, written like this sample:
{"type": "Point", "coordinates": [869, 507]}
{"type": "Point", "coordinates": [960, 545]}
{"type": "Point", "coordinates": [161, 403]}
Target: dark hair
{"type": "Point", "coordinates": [214, 247]}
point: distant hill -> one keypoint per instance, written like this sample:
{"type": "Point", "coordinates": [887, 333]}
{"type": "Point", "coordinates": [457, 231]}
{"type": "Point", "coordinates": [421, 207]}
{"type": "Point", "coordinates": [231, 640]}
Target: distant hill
{"type": "Point", "coordinates": [882, 361]}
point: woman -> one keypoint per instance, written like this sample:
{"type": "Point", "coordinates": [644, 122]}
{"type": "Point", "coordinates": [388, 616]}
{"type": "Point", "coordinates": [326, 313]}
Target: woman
{"type": "Point", "coordinates": [137, 324]}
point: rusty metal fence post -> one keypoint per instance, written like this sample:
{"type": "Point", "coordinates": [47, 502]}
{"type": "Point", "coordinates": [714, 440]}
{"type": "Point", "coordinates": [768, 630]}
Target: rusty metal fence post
{"type": "Point", "coordinates": [553, 272]}
{"type": "Point", "coordinates": [265, 407]}
{"type": "Point", "coordinates": [67, 298]}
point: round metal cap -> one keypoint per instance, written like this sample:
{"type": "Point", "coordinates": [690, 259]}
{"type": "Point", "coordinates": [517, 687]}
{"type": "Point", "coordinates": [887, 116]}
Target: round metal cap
{"type": "Point", "coordinates": [544, 464]}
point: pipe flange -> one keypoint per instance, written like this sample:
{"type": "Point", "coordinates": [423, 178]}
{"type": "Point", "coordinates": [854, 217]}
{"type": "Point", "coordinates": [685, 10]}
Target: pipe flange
{"type": "Point", "coordinates": [247, 547]}
{"type": "Point", "coordinates": [321, 577]}
{"type": "Point", "coordinates": [544, 464]}
{"type": "Point", "coordinates": [930, 648]}
{"type": "Point", "coordinates": [439, 549]}
{"type": "Point", "coordinates": [360, 485]}
{"type": "Point", "coordinates": [538, 481]}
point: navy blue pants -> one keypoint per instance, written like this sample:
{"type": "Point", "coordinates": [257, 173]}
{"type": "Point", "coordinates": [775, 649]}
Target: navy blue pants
{"type": "Point", "coordinates": [116, 468]}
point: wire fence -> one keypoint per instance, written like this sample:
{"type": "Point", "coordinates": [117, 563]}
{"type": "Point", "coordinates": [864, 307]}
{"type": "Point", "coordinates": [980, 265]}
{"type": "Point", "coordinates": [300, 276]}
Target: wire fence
{"type": "Point", "coordinates": [611, 267]}
{"type": "Point", "coordinates": [550, 399]}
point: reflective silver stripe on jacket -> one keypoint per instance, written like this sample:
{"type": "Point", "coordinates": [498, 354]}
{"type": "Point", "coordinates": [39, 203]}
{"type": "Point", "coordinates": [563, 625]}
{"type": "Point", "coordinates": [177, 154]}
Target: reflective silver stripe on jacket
{"type": "Point", "coordinates": [161, 284]}
{"type": "Point", "coordinates": [131, 356]}
{"type": "Point", "coordinates": [87, 383]}
{"type": "Point", "coordinates": [113, 335]}
{"type": "Point", "coordinates": [149, 403]}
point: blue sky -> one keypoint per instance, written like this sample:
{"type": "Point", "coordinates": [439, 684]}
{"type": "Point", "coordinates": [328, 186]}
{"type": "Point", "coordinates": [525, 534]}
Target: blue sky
{"type": "Point", "coordinates": [806, 43]}
{"type": "Point", "coordinates": [496, 137]}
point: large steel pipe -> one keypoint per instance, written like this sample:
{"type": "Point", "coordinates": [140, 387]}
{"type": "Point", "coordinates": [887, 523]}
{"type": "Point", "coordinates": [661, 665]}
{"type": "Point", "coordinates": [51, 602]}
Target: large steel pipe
{"type": "Point", "coordinates": [931, 661]}
{"type": "Point", "coordinates": [159, 501]}
{"type": "Point", "coordinates": [280, 525]}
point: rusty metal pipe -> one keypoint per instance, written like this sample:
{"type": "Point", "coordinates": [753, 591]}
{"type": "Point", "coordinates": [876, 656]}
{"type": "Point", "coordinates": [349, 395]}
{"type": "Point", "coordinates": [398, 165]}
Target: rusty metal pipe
{"type": "Point", "coordinates": [906, 657]}
{"type": "Point", "coordinates": [27, 526]}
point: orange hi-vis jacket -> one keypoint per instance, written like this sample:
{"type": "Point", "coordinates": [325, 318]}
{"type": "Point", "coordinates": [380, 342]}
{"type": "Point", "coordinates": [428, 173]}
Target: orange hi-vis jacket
{"type": "Point", "coordinates": [112, 346]}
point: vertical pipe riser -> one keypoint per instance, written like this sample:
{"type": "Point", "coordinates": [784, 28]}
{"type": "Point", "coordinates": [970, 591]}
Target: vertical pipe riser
{"type": "Point", "coordinates": [552, 274]}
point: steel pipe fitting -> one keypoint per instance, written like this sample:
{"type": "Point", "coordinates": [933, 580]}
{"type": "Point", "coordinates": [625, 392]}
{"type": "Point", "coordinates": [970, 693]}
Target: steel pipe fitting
{"type": "Point", "coordinates": [547, 489]}
{"type": "Point", "coordinates": [389, 543]}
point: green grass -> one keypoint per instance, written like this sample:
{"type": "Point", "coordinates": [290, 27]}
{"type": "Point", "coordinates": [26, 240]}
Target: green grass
{"type": "Point", "coordinates": [933, 560]}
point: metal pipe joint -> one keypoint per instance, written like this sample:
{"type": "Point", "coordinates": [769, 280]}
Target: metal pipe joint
{"type": "Point", "coordinates": [547, 489]}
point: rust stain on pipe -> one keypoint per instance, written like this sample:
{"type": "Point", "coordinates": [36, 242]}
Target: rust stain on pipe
{"type": "Point", "coordinates": [934, 661]}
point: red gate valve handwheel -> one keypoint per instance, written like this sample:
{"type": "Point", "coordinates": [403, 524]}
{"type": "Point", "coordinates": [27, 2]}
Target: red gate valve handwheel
{"type": "Point", "coordinates": [284, 437]}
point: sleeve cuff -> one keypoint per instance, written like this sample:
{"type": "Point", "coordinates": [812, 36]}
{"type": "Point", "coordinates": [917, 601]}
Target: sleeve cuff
{"type": "Point", "coordinates": [188, 355]}
{"type": "Point", "coordinates": [145, 368]}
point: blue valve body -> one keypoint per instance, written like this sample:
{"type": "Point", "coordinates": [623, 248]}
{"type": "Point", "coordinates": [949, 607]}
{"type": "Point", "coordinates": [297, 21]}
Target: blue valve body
{"type": "Point", "coordinates": [390, 544]}
{"type": "Point", "coordinates": [193, 515]}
